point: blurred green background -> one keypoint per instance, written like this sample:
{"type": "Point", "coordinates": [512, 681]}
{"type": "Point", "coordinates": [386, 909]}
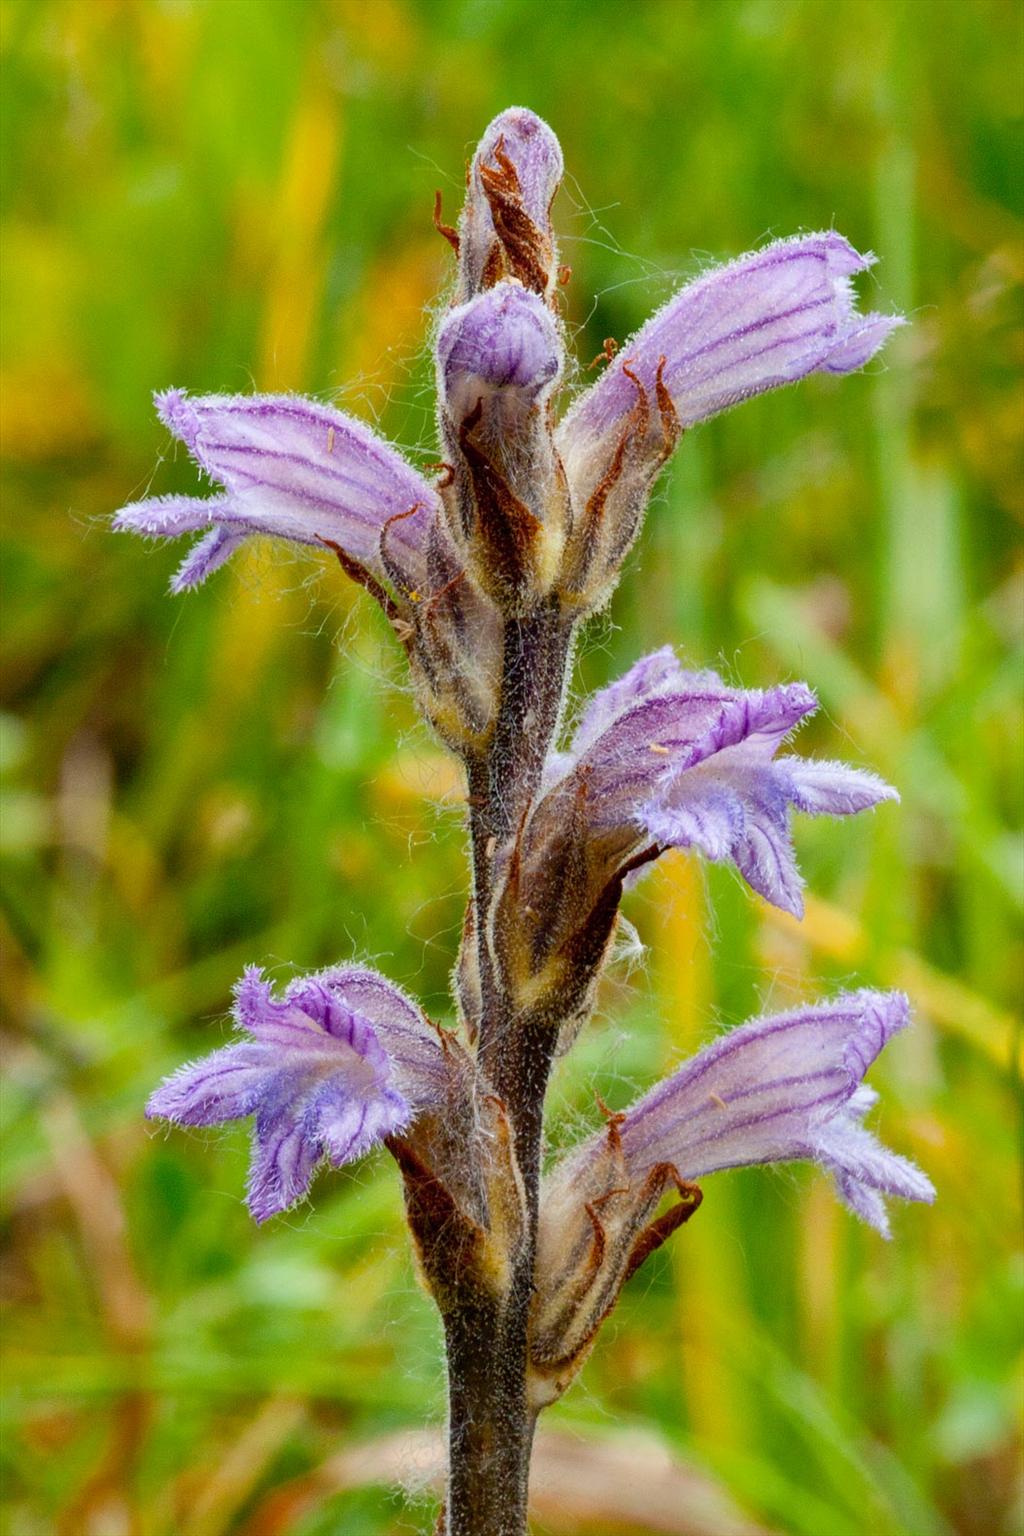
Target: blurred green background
{"type": "Point", "coordinates": [225, 194]}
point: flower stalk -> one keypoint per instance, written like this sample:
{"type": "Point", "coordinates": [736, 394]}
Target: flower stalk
{"type": "Point", "coordinates": [485, 576]}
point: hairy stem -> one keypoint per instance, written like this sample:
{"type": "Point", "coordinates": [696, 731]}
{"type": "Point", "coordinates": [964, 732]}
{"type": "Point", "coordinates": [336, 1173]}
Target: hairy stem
{"type": "Point", "coordinates": [536, 655]}
{"type": "Point", "coordinates": [490, 1421]}
{"type": "Point", "coordinates": [501, 786]}
{"type": "Point", "coordinates": [490, 1430]}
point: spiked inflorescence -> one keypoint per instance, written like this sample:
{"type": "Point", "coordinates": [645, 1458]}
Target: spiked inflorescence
{"type": "Point", "coordinates": [485, 575]}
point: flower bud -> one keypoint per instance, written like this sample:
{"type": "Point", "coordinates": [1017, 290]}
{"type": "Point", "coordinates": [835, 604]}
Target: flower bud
{"type": "Point", "coordinates": [498, 359]}
{"type": "Point", "coordinates": [506, 223]}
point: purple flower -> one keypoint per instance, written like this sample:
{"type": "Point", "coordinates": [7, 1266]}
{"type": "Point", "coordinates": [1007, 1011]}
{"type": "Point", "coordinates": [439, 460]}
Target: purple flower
{"type": "Point", "coordinates": [503, 349]}
{"type": "Point", "coordinates": [343, 1060]}
{"type": "Point", "coordinates": [765, 320]}
{"type": "Point", "coordinates": [294, 469]}
{"type": "Point", "coordinates": [781, 1089]}
{"type": "Point", "coordinates": [778, 1089]}
{"type": "Point", "coordinates": [667, 758]}
{"type": "Point", "coordinates": [505, 229]}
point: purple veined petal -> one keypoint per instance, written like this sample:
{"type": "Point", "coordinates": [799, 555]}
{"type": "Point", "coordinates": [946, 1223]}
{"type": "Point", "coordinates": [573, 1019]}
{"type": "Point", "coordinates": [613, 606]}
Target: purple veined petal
{"type": "Point", "coordinates": [294, 469]}
{"type": "Point", "coordinates": [758, 720]}
{"type": "Point", "coordinates": [833, 789]}
{"type": "Point", "coordinates": [685, 751]}
{"type": "Point", "coordinates": [207, 556]}
{"type": "Point", "coordinates": [503, 346]}
{"type": "Point", "coordinates": [285, 1024]}
{"type": "Point", "coordinates": [517, 161]}
{"type": "Point", "coordinates": [864, 1170]}
{"type": "Point", "coordinates": [665, 719]}
{"type": "Point", "coordinates": [763, 851]}
{"type": "Point", "coordinates": [390, 1010]}
{"type": "Point", "coordinates": [711, 821]}
{"type": "Point", "coordinates": [646, 679]}
{"type": "Point", "coordinates": [731, 808]}
{"type": "Point", "coordinates": [762, 1073]}
{"type": "Point", "coordinates": [766, 320]}
{"type": "Point", "coordinates": [348, 1127]}
{"type": "Point", "coordinates": [168, 517]}
{"type": "Point", "coordinates": [865, 1203]}
{"type": "Point", "coordinates": [423, 1070]}
{"type": "Point", "coordinates": [314, 1073]}
{"type": "Point", "coordinates": [854, 1153]}
{"type": "Point", "coordinates": [778, 1089]}
{"type": "Point", "coordinates": [285, 1158]}
{"type": "Point", "coordinates": [223, 1086]}
{"type": "Point", "coordinates": [310, 461]}
{"type": "Point", "coordinates": [859, 346]}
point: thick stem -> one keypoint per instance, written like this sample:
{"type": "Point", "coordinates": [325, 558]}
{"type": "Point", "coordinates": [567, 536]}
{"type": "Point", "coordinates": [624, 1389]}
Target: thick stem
{"type": "Point", "coordinates": [490, 1420]}
{"type": "Point", "coordinates": [535, 660]}
{"type": "Point", "coordinates": [490, 1428]}
{"type": "Point", "coordinates": [536, 655]}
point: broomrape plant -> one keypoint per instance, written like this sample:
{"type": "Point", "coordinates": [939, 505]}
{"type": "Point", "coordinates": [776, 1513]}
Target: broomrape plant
{"type": "Point", "coordinates": [486, 575]}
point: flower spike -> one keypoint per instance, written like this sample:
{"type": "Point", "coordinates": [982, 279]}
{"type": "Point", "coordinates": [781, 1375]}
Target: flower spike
{"type": "Point", "coordinates": [485, 576]}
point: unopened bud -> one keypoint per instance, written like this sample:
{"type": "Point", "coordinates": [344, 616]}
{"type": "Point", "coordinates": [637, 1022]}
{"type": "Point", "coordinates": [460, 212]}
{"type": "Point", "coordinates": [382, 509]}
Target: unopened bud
{"type": "Point", "coordinates": [506, 222]}
{"type": "Point", "coordinates": [499, 357]}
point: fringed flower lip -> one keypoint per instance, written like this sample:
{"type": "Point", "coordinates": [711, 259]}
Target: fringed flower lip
{"type": "Point", "coordinates": [340, 1061]}
{"type": "Point", "coordinates": [679, 759]}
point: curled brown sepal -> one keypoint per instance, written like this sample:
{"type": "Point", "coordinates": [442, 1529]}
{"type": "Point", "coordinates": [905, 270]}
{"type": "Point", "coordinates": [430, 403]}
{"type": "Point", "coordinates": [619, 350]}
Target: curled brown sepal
{"type": "Point", "coordinates": [541, 880]}
{"type": "Point", "coordinates": [661, 1229]}
{"type": "Point", "coordinates": [523, 250]}
{"type": "Point", "coordinates": [503, 533]}
{"type": "Point", "coordinates": [596, 1229]}
{"type": "Point", "coordinates": [366, 579]}
{"type": "Point", "coordinates": [445, 230]}
{"type": "Point", "coordinates": [557, 901]}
